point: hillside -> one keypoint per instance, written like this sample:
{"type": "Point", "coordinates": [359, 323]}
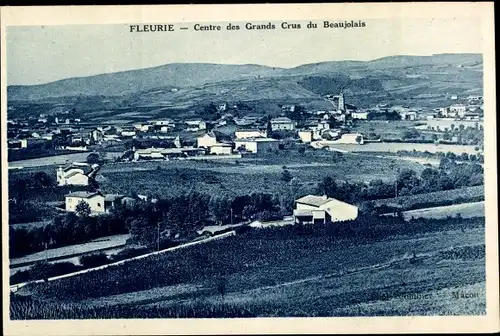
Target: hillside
{"type": "Point", "coordinates": [460, 71]}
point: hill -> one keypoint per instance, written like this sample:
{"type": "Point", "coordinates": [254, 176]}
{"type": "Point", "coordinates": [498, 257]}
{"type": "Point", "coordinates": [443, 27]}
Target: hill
{"type": "Point", "coordinates": [364, 76]}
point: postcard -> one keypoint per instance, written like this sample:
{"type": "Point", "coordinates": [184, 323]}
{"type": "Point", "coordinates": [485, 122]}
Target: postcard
{"type": "Point", "coordinates": [242, 169]}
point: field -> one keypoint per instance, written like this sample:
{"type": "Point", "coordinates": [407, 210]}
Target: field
{"type": "Point", "coordinates": [273, 275]}
{"type": "Point", "coordinates": [391, 147]}
{"type": "Point", "coordinates": [246, 175]}
{"type": "Point", "coordinates": [433, 199]}
{"type": "Point", "coordinates": [466, 210]}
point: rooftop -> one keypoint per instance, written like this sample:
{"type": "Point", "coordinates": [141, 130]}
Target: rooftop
{"type": "Point", "coordinates": [257, 140]}
{"type": "Point", "coordinates": [84, 194]}
{"type": "Point", "coordinates": [314, 200]}
{"type": "Point", "coordinates": [281, 120]}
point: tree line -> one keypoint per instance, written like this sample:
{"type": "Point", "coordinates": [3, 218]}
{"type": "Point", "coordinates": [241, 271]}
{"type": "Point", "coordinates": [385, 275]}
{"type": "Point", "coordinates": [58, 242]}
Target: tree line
{"type": "Point", "coordinates": [449, 175]}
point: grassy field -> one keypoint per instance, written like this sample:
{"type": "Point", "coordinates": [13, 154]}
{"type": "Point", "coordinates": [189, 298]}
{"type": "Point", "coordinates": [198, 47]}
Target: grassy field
{"type": "Point", "coordinates": [246, 175]}
{"type": "Point", "coordinates": [432, 199]}
{"type": "Point", "coordinates": [392, 147]}
{"type": "Point", "coordinates": [268, 275]}
{"type": "Point", "coordinates": [466, 210]}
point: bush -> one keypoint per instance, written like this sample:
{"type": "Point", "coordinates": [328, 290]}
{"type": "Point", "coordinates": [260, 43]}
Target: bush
{"type": "Point", "coordinates": [43, 270]}
{"type": "Point", "coordinates": [93, 259]}
{"type": "Point", "coordinates": [130, 253]}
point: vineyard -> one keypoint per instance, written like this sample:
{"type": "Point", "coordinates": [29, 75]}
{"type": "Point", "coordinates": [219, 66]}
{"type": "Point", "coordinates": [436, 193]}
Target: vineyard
{"type": "Point", "coordinates": [269, 272]}
{"type": "Point", "coordinates": [427, 200]}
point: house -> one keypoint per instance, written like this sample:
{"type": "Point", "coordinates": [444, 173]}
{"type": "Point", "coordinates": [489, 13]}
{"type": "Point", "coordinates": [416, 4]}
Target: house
{"type": "Point", "coordinates": [212, 138]}
{"type": "Point", "coordinates": [207, 140]}
{"type": "Point", "coordinates": [165, 153]}
{"type": "Point", "coordinates": [322, 125]}
{"type": "Point", "coordinates": [306, 136]}
{"type": "Point", "coordinates": [18, 144]}
{"type": "Point", "coordinates": [312, 209]}
{"type": "Point", "coordinates": [457, 108]}
{"type": "Point", "coordinates": [95, 200]}
{"type": "Point", "coordinates": [142, 127]}
{"type": "Point", "coordinates": [255, 145]}
{"type": "Point", "coordinates": [75, 174]}
{"type": "Point", "coordinates": [128, 133]}
{"type": "Point", "coordinates": [282, 124]}
{"type": "Point", "coordinates": [288, 108]}
{"type": "Point", "coordinates": [408, 115]}
{"type": "Point", "coordinates": [196, 124]}
{"type": "Point", "coordinates": [222, 107]}
{"type": "Point", "coordinates": [163, 122]}
{"type": "Point", "coordinates": [111, 201]}
{"type": "Point", "coordinates": [221, 149]}
{"type": "Point", "coordinates": [96, 135]}
{"type": "Point", "coordinates": [359, 115]}
{"type": "Point", "coordinates": [246, 121]}
{"type": "Point", "coordinates": [250, 133]}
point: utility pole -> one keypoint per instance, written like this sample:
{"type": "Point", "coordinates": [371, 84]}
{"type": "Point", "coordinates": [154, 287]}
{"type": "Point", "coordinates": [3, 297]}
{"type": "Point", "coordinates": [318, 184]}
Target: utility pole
{"type": "Point", "coordinates": [46, 253]}
{"type": "Point", "coordinates": [231, 215]}
{"type": "Point", "coordinates": [158, 236]}
{"type": "Point", "coordinates": [396, 183]}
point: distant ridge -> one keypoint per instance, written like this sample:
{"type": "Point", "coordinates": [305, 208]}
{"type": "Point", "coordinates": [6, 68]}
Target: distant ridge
{"type": "Point", "coordinates": [181, 75]}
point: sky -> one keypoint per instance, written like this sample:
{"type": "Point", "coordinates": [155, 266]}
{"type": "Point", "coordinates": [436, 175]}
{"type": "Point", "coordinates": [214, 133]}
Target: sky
{"type": "Point", "coordinates": [41, 54]}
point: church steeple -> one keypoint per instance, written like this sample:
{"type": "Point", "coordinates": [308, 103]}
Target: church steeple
{"type": "Point", "coordinates": [341, 104]}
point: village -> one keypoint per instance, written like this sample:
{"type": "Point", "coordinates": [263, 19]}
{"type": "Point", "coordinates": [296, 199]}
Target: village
{"type": "Point", "coordinates": [225, 137]}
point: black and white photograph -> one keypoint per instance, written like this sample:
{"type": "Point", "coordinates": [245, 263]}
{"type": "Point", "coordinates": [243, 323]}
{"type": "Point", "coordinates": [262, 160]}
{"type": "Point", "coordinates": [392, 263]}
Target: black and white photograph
{"type": "Point", "coordinates": [232, 168]}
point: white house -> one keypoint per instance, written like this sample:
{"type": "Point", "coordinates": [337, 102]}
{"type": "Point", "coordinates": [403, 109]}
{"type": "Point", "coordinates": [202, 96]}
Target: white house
{"type": "Point", "coordinates": [142, 127]}
{"type": "Point", "coordinates": [359, 115]}
{"type": "Point", "coordinates": [250, 133]}
{"type": "Point", "coordinates": [196, 124]}
{"type": "Point", "coordinates": [95, 200]}
{"type": "Point", "coordinates": [458, 108]}
{"type": "Point", "coordinates": [255, 145]}
{"type": "Point", "coordinates": [282, 124]}
{"type": "Point", "coordinates": [410, 115]}
{"type": "Point", "coordinates": [73, 175]}
{"type": "Point", "coordinates": [306, 136]}
{"type": "Point", "coordinates": [313, 209]}
{"type": "Point", "coordinates": [207, 140]}
{"type": "Point", "coordinates": [221, 149]}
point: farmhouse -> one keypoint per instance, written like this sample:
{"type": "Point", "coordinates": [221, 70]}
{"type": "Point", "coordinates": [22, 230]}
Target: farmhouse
{"type": "Point", "coordinates": [282, 124]}
{"type": "Point", "coordinates": [313, 209]}
{"type": "Point", "coordinates": [74, 175]}
{"type": "Point", "coordinates": [95, 200]}
{"type": "Point", "coordinates": [255, 145]}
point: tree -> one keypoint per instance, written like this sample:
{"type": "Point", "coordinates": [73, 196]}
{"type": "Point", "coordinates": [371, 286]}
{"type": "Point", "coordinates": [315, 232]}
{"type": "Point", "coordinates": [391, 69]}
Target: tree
{"type": "Point", "coordinates": [83, 209]}
{"type": "Point", "coordinates": [359, 138]}
{"type": "Point", "coordinates": [42, 180]}
{"type": "Point", "coordinates": [93, 158]}
{"type": "Point", "coordinates": [328, 187]}
{"type": "Point", "coordinates": [286, 175]}
{"type": "Point", "coordinates": [408, 179]}
{"type": "Point", "coordinates": [93, 259]}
